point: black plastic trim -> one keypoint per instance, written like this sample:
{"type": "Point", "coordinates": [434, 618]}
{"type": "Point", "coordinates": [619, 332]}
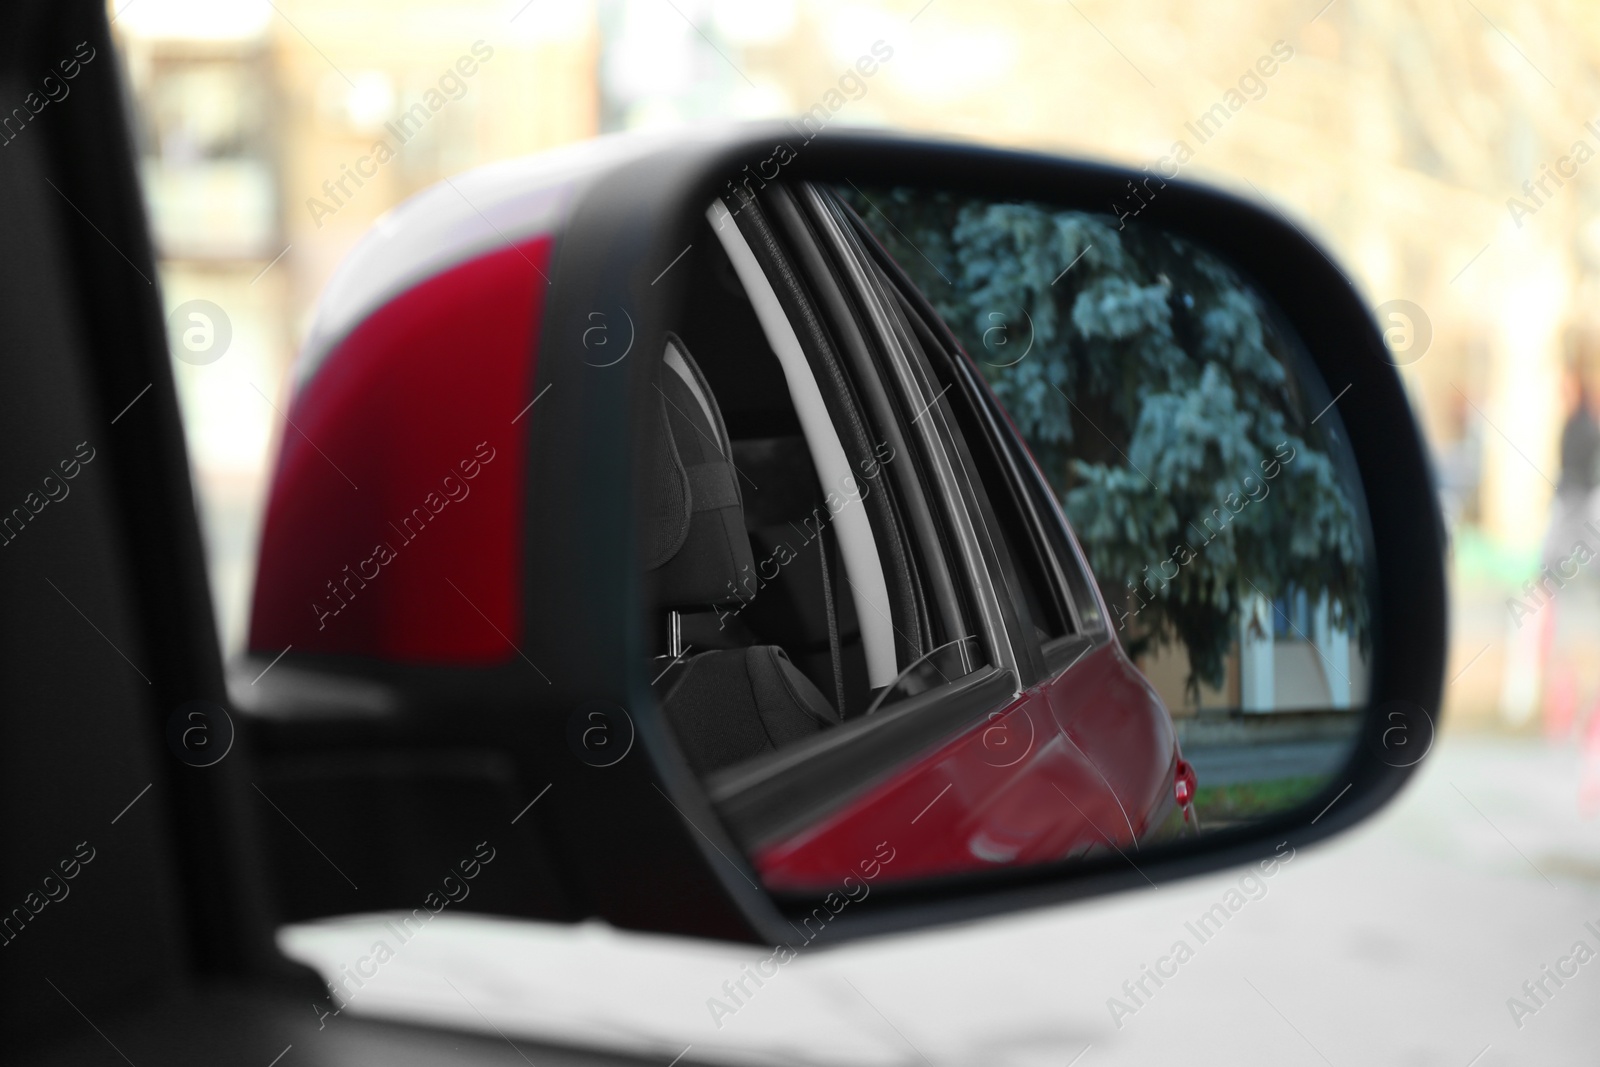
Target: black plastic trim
{"type": "Point", "coordinates": [813, 247]}
{"type": "Point", "coordinates": [766, 799]}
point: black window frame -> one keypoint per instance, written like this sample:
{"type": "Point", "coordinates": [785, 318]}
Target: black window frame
{"type": "Point", "coordinates": [777, 794]}
{"type": "Point", "coordinates": [991, 435]}
{"type": "Point", "coordinates": [1070, 580]}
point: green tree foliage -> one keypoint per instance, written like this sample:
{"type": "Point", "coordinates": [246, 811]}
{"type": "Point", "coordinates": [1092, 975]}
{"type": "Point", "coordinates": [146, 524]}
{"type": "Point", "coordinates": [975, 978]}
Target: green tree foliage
{"type": "Point", "coordinates": [1152, 387]}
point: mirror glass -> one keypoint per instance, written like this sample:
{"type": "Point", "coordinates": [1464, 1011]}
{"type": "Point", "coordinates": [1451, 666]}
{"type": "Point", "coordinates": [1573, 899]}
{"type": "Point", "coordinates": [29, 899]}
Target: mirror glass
{"type": "Point", "coordinates": [982, 533]}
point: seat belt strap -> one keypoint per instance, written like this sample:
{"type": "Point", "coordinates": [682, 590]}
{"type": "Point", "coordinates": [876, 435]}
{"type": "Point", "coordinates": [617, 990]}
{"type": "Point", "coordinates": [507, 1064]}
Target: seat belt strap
{"type": "Point", "coordinates": [833, 626]}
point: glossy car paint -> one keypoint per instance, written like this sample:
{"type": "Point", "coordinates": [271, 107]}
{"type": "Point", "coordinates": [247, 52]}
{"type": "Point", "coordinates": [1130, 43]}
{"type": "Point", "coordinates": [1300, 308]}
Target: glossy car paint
{"type": "Point", "coordinates": [418, 369]}
{"type": "Point", "coordinates": [1083, 761]}
{"type": "Point", "coordinates": [393, 530]}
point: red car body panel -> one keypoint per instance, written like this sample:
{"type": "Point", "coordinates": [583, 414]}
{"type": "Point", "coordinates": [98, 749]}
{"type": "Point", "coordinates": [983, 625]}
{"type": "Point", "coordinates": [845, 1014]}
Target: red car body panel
{"type": "Point", "coordinates": [1085, 760]}
{"type": "Point", "coordinates": [394, 526]}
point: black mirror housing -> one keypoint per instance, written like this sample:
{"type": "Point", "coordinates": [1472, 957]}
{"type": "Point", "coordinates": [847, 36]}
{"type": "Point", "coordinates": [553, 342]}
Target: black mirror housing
{"type": "Point", "coordinates": [639, 839]}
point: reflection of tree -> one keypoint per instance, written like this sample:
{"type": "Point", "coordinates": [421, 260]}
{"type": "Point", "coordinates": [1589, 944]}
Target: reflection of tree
{"type": "Point", "coordinates": [1181, 410]}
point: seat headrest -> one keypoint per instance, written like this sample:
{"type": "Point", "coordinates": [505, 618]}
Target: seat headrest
{"type": "Point", "coordinates": [692, 521]}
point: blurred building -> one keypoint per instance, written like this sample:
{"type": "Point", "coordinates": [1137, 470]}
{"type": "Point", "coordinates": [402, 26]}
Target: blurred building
{"type": "Point", "coordinates": [259, 132]}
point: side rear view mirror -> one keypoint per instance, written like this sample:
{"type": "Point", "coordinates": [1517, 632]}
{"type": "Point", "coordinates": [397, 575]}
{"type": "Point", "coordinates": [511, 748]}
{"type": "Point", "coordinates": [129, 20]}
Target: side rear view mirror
{"type": "Point", "coordinates": [790, 532]}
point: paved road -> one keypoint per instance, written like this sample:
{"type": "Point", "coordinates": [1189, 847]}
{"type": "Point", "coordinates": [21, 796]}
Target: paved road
{"type": "Point", "coordinates": [1397, 944]}
{"type": "Point", "coordinates": [1231, 764]}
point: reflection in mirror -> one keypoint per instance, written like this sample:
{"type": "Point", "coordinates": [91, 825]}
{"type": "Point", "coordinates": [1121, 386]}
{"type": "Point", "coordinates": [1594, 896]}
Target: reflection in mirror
{"type": "Point", "coordinates": [953, 659]}
{"type": "Point", "coordinates": [1190, 445]}
{"type": "Point", "coordinates": [983, 533]}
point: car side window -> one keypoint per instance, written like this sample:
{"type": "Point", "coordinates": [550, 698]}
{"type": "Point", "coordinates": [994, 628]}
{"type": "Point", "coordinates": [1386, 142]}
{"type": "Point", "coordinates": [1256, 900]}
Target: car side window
{"type": "Point", "coordinates": [1048, 576]}
{"type": "Point", "coordinates": [1013, 518]}
{"type": "Point", "coordinates": [1026, 576]}
{"type": "Point", "coordinates": [951, 671]}
{"type": "Point", "coordinates": [1060, 546]}
{"type": "Point", "coordinates": [804, 549]}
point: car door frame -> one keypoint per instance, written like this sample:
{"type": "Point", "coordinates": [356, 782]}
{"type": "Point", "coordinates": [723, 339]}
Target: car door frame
{"type": "Point", "coordinates": [766, 801]}
{"type": "Point", "coordinates": [779, 795]}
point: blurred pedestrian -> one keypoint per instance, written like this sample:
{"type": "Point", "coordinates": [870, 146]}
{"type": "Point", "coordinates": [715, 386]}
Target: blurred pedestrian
{"type": "Point", "coordinates": [1580, 466]}
{"type": "Point", "coordinates": [1570, 510]}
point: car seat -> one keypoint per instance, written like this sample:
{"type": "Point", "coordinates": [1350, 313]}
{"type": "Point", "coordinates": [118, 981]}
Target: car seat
{"type": "Point", "coordinates": [728, 704]}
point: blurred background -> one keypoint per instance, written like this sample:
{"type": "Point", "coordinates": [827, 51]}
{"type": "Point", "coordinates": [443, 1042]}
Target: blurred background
{"type": "Point", "coordinates": [1439, 148]}
{"type": "Point", "coordinates": [1395, 136]}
